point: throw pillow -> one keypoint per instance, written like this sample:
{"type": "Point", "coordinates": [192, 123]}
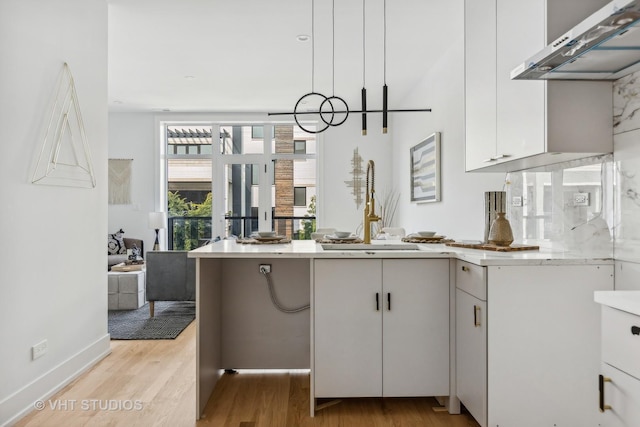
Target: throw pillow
{"type": "Point", "coordinates": [116, 244]}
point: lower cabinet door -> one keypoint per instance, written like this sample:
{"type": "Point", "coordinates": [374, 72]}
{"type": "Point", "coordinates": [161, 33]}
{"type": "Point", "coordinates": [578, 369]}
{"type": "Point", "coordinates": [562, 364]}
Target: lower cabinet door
{"type": "Point", "coordinates": [348, 328]}
{"type": "Point", "coordinates": [471, 354]}
{"type": "Point", "coordinates": [415, 324]}
{"type": "Point", "coordinates": [621, 394]}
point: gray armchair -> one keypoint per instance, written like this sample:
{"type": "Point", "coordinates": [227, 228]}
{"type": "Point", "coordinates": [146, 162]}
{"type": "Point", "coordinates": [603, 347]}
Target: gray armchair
{"type": "Point", "coordinates": [171, 276]}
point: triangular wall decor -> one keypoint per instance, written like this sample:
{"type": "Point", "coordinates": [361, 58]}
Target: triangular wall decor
{"type": "Point", "coordinates": [65, 158]}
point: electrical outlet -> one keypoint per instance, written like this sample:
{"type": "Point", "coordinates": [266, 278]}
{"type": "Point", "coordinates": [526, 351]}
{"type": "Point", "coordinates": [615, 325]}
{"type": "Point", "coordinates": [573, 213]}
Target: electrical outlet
{"type": "Point", "coordinates": [580, 199]}
{"type": "Point", "coordinates": [516, 201]}
{"type": "Point", "coordinates": [265, 268]}
{"type": "Point", "coordinates": [39, 349]}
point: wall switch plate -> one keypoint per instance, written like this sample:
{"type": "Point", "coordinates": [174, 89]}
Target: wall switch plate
{"type": "Point", "coordinates": [516, 201]}
{"type": "Point", "coordinates": [39, 349]}
{"type": "Point", "coordinates": [580, 199]}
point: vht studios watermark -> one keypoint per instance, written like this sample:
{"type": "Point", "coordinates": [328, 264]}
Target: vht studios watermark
{"type": "Point", "coordinates": [89, 405]}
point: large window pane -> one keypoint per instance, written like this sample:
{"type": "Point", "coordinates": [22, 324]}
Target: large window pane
{"type": "Point", "coordinates": [241, 199]}
{"type": "Point", "coordinates": [241, 139]}
{"type": "Point", "coordinates": [290, 139]}
{"type": "Point", "coordinates": [189, 195]}
{"type": "Point", "coordinates": [294, 198]}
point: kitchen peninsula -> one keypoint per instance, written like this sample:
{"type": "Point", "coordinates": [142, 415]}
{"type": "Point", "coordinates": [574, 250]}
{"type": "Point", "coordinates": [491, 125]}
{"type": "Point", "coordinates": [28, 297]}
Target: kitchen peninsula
{"type": "Point", "coordinates": [374, 312]}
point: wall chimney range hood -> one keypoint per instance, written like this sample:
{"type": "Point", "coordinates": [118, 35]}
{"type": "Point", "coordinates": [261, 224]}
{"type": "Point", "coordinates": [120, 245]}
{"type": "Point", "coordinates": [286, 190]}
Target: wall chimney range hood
{"type": "Point", "coordinates": [605, 46]}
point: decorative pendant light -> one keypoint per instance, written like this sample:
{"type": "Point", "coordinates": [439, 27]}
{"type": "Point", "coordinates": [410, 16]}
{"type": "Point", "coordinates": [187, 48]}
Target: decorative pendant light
{"type": "Point", "coordinates": [384, 70]}
{"type": "Point", "coordinates": [363, 93]}
{"type": "Point", "coordinates": [329, 115]}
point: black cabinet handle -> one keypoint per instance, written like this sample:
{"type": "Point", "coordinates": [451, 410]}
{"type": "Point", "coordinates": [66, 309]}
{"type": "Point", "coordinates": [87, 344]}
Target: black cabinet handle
{"type": "Point", "coordinates": [601, 380]}
{"type": "Point", "coordinates": [377, 301]}
{"type": "Point", "coordinates": [389, 301]}
{"type": "Point", "coordinates": [635, 330]}
{"type": "Point", "coordinates": [476, 310]}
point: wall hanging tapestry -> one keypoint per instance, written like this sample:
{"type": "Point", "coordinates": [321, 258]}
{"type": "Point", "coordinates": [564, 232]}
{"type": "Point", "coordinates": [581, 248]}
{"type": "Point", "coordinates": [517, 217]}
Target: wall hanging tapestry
{"type": "Point", "coordinates": [120, 181]}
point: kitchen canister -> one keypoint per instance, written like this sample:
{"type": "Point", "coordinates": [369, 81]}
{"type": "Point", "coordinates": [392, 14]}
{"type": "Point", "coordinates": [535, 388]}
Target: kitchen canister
{"type": "Point", "coordinates": [500, 233]}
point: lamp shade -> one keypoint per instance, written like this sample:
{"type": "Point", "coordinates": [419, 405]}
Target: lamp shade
{"type": "Point", "coordinates": [157, 220]}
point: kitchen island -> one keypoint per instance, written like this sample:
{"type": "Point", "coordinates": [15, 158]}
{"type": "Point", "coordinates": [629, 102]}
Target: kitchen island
{"type": "Point", "coordinates": [238, 327]}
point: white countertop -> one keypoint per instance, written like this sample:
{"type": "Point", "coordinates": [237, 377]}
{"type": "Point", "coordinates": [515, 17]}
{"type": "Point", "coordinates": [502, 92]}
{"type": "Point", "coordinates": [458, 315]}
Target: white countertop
{"type": "Point", "coordinates": [628, 301]}
{"type": "Point", "coordinates": [310, 249]}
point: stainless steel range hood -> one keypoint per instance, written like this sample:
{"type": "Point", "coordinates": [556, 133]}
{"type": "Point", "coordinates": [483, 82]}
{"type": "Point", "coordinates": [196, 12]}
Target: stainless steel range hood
{"type": "Point", "coordinates": [605, 46]}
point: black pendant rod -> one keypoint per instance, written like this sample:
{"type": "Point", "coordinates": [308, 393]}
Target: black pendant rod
{"type": "Point", "coordinates": [407, 110]}
{"type": "Point", "coordinates": [363, 93]}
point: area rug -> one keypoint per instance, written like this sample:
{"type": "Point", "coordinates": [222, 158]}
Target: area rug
{"type": "Point", "coordinates": [171, 318]}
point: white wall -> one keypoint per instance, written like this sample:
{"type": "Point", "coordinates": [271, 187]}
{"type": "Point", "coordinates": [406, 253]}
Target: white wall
{"type": "Point", "coordinates": [54, 259]}
{"type": "Point", "coordinates": [336, 206]}
{"type": "Point", "coordinates": [460, 213]}
{"type": "Point", "coordinates": [132, 136]}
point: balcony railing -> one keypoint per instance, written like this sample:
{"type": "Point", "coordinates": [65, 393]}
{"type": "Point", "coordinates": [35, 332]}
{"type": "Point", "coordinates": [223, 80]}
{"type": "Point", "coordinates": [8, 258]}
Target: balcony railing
{"type": "Point", "coordinates": [191, 232]}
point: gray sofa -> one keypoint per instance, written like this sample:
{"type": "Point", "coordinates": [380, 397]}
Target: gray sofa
{"type": "Point", "coordinates": [171, 276]}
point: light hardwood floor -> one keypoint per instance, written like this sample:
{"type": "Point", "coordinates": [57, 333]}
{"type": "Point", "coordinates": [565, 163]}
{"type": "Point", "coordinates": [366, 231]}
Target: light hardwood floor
{"type": "Point", "coordinates": [159, 377]}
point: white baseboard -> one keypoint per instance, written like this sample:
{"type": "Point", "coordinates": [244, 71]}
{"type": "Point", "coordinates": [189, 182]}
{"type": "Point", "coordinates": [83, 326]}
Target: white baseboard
{"type": "Point", "coordinates": [20, 403]}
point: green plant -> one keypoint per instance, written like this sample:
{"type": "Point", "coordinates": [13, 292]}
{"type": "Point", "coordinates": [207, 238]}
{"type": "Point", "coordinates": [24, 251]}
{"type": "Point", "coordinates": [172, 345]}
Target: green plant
{"type": "Point", "coordinates": [309, 225]}
{"type": "Point", "coordinates": [194, 222]}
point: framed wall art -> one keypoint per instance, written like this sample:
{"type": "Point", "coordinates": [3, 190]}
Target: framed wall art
{"type": "Point", "coordinates": [425, 170]}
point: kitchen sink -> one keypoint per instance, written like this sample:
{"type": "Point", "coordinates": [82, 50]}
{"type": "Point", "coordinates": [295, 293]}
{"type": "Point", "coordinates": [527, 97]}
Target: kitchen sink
{"type": "Point", "coordinates": [370, 247]}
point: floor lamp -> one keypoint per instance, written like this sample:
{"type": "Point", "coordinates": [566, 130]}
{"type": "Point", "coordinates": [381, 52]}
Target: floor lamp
{"type": "Point", "coordinates": [157, 221]}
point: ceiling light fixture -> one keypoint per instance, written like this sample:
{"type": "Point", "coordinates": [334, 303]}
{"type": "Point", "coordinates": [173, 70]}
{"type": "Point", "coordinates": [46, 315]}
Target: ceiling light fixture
{"type": "Point", "coordinates": [327, 112]}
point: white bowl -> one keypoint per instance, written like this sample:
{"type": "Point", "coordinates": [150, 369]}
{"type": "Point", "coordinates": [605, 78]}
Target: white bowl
{"type": "Point", "coordinates": [342, 234]}
{"type": "Point", "coordinates": [266, 233]}
{"type": "Point", "coordinates": [426, 233]}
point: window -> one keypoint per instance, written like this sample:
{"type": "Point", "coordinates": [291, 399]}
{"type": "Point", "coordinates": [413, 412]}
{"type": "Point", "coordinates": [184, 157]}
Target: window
{"type": "Point", "coordinates": [230, 170]}
{"type": "Point", "coordinates": [257, 132]}
{"type": "Point", "coordinates": [188, 186]}
{"type": "Point", "coordinates": [299, 196]}
{"type": "Point", "coordinates": [299, 147]}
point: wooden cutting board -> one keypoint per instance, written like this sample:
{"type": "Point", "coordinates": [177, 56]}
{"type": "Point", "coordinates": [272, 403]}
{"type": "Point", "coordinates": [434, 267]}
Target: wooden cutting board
{"type": "Point", "coordinates": [488, 247]}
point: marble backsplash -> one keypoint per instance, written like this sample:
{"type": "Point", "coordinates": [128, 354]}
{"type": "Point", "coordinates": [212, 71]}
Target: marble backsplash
{"type": "Point", "coordinates": [554, 212]}
{"type": "Point", "coordinates": [569, 208]}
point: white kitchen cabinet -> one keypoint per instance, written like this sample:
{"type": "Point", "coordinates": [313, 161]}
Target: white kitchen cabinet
{"type": "Point", "coordinates": [542, 345]}
{"type": "Point", "coordinates": [480, 82]}
{"type": "Point", "coordinates": [471, 339]}
{"type": "Point", "coordinates": [381, 327]}
{"type": "Point", "coordinates": [415, 326]}
{"type": "Point", "coordinates": [536, 122]}
{"type": "Point", "coordinates": [619, 381]}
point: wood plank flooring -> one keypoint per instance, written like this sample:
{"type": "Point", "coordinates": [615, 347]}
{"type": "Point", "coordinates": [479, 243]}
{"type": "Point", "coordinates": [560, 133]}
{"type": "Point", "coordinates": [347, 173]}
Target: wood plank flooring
{"type": "Point", "coordinates": [152, 383]}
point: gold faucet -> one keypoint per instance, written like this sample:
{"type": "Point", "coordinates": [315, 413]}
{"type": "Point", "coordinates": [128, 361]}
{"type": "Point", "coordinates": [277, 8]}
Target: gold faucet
{"type": "Point", "coordinates": [369, 205]}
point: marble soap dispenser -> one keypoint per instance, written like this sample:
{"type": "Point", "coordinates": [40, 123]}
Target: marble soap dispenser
{"type": "Point", "coordinates": [500, 233]}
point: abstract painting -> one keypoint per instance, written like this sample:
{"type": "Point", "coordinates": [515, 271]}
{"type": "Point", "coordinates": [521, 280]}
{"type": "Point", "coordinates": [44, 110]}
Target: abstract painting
{"type": "Point", "coordinates": [425, 170]}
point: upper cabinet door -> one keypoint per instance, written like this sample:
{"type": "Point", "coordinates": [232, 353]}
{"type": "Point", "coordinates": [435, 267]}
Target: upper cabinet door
{"type": "Point", "coordinates": [520, 103]}
{"type": "Point", "coordinates": [480, 82]}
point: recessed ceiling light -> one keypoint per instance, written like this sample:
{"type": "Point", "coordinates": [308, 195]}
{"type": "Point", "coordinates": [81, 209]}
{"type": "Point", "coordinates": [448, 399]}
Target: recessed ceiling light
{"type": "Point", "coordinates": [302, 37]}
{"type": "Point", "coordinates": [189, 77]}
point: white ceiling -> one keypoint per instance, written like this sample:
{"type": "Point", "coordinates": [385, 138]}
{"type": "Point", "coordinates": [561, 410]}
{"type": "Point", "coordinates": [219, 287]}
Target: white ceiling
{"type": "Point", "coordinates": [242, 55]}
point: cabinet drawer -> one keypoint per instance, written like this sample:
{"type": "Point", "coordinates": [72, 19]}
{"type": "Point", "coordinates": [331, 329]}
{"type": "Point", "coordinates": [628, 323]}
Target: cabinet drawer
{"type": "Point", "coordinates": [621, 392]}
{"type": "Point", "coordinates": [621, 340]}
{"type": "Point", "coordinates": [472, 279]}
